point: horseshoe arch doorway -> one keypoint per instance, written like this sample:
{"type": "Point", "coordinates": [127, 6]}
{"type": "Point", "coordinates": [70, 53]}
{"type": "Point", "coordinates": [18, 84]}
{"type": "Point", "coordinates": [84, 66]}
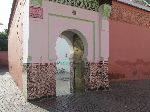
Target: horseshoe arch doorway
{"type": "Point", "coordinates": [71, 50]}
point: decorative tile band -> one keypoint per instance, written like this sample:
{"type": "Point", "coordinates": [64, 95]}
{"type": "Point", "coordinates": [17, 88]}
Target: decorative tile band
{"type": "Point", "coordinates": [97, 74]}
{"type": "Point", "coordinates": [36, 12]}
{"type": "Point", "coordinates": [128, 14]}
{"type": "Point", "coordinates": [41, 80]}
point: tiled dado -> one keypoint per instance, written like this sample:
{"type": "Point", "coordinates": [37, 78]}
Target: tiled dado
{"type": "Point", "coordinates": [126, 13]}
{"type": "Point", "coordinates": [97, 75]}
{"type": "Point", "coordinates": [40, 80]}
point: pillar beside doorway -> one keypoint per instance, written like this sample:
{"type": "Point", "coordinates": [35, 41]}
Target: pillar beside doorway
{"type": "Point", "coordinates": [97, 72]}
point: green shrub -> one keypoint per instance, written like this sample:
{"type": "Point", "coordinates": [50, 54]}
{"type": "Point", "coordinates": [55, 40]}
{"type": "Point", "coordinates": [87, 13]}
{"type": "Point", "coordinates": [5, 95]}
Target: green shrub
{"type": "Point", "coordinates": [4, 40]}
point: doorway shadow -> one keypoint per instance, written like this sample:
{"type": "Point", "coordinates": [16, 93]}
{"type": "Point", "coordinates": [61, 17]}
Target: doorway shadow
{"type": "Point", "coordinates": [64, 103]}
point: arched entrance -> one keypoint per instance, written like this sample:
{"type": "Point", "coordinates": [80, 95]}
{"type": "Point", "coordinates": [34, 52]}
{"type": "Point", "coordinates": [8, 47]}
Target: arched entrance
{"type": "Point", "coordinates": [70, 64]}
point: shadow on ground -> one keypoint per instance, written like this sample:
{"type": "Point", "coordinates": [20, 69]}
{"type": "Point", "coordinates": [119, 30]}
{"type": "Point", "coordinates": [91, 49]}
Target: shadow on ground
{"type": "Point", "coordinates": [125, 96]}
{"type": "Point", "coordinates": [11, 98]}
{"type": "Point", "coordinates": [3, 70]}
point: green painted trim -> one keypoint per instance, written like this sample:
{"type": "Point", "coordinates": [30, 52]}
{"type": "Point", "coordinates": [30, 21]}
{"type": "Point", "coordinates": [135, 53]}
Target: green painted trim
{"type": "Point", "coordinates": [106, 10]}
{"type": "Point", "coordinates": [67, 17]}
{"type": "Point", "coordinates": [36, 3]}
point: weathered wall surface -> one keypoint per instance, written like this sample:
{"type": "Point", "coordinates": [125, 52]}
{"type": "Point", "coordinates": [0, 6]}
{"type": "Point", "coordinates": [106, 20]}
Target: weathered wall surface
{"type": "Point", "coordinates": [129, 43]}
{"type": "Point", "coordinates": [56, 19]}
{"type": "Point", "coordinates": [15, 44]}
{"type": "Point", "coordinates": [3, 58]}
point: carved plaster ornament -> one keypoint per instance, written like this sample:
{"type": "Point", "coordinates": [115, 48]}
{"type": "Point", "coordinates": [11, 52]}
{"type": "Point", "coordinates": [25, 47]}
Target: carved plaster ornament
{"type": "Point", "coordinates": [105, 10]}
{"type": "Point", "coordinates": [37, 3]}
{"type": "Point", "coordinates": [85, 4]}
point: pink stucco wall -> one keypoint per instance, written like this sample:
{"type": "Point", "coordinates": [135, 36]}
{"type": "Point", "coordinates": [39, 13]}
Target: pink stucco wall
{"type": "Point", "coordinates": [15, 45]}
{"type": "Point", "coordinates": [4, 58]}
{"type": "Point", "coordinates": [47, 30]}
{"type": "Point", "coordinates": [129, 51]}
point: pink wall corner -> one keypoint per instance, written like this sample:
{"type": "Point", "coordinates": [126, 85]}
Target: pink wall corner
{"type": "Point", "coordinates": [15, 46]}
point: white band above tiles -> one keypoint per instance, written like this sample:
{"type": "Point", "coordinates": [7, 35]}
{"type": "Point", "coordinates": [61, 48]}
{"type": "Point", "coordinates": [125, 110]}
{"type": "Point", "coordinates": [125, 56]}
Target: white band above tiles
{"type": "Point", "coordinates": [137, 3]}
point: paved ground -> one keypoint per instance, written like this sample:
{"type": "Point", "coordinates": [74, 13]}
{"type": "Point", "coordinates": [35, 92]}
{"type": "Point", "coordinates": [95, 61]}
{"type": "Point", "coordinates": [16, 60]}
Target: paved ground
{"type": "Point", "coordinates": [130, 96]}
{"type": "Point", "coordinates": [62, 84]}
{"type": "Point", "coordinates": [11, 99]}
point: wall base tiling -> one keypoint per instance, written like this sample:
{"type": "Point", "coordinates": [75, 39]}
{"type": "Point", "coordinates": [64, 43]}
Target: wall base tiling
{"type": "Point", "coordinates": [41, 80]}
{"type": "Point", "coordinates": [127, 14]}
{"type": "Point", "coordinates": [97, 75]}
